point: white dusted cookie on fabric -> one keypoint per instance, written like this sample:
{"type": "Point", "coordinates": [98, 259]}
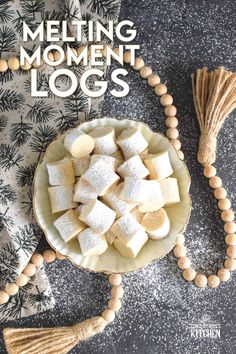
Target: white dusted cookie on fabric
{"type": "Point", "coordinates": [105, 161]}
{"type": "Point", "coordinates": [159, 165]}
{"type": "Point", "coordinates": [81, 165]}
{"type": "Point", "coordinates": [61, 172]}
{"type": "Point", "coordinates": [125, 228]}
{"type": "Point", "coordinates": [132, 142]}
{"type": "Point", "coordinates": [154, 199]}
{"type": "Point", "coordinates": [100, 177]}
{"type": "Point", "coordinates": [110, 237]}
{"type": "Point", "coordinates": [132, 249]}
{"type": "Point", "coordinates": [91, 243]}
{"type": "Point", "coordinates": [98, 216]}
{"type": "Point", "coordinates": [120, 206]}
{"type": "Point", "coordinates": [78, 143]}
{"type": "Point", "coordinates": [83, 191]}
{"type": "Point", "coordinates": [133, 167]}
{"type": "Point", "coordinates": [69, 225]}
{"type": "Point", "coordinates": [157, 224]}
{"type": "Point", "coordinates": [170, 191]}
{"type": "Point", "coordinates": [134, 190]}
{"type": "Point", "coordinates": [105, 140]}
{"type": "Point", "coordinates": [61, 198]}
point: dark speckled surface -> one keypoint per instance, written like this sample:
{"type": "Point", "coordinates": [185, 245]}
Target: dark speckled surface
{"type": "Point", "coordinates": [159, 307]}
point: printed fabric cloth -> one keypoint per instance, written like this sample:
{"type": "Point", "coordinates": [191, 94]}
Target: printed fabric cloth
{"type": "Point", "coordinates": [27, 126]}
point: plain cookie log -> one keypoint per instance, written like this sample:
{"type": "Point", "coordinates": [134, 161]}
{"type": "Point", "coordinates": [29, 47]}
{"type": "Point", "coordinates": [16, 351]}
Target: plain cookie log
{"type": "Point", "coordinates": [81, 165]}
{"type": "Point", "coordinates": [69, 225]}
{"type": "Point", "coordinates": [61, 198]}
{"type": "Point", "coordinates": [100, 177]}
{"type": "Point", "coordinates": [170, 191]}
{"type": "Point", "coordinates": [92, 243]}
{"type": "Point", "coordinates": [61, 172]}
{"type": "Point", "coordinates": [133, 167]}
{"type": "Point", "coordinates": [78, 143]}
{"type": "Point", "coordinates": [105, 140]}
{"type": "Point", "coordinates": [113, 200]}
{"type": "Point", "coordinates": [158, 165]}
{"type": "Point", "coordinates": [98, 216]}
{"type": "Point", "coordinates": [132, 142]}
{"type": "Point", "coordinates": [83, 191]}
{"type": "Point", "coordinates": [157, 224]}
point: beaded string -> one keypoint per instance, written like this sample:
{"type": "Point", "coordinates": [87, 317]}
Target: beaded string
{"type": "Point", "coordinates": [172, 133]}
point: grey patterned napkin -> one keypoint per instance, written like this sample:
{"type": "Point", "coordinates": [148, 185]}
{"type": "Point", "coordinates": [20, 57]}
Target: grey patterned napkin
{"type": "Point", "coordinates": [27, 126]}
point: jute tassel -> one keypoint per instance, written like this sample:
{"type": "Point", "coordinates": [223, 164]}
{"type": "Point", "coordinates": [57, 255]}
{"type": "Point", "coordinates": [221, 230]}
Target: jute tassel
{"type": "Point", "coordinates": [214, 98]}
{"type": "Point", "coordinates": [51, 340]}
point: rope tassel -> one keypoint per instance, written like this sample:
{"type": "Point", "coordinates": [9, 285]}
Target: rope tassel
{"type": "Point", "coordinates": [214, 98]}
{"type": "Point", "coordinates": [51, 340]}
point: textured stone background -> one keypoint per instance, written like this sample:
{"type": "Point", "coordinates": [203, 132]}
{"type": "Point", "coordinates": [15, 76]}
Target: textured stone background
{"type": "Point", "coordinates": [159, 306]}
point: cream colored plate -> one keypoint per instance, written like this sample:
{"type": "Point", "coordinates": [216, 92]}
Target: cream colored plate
{"type": "Point", "coordinates": [112, 260]}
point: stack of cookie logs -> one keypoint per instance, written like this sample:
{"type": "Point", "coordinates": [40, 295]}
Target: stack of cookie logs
{"type": "Point", "coordinates": [111, 190]}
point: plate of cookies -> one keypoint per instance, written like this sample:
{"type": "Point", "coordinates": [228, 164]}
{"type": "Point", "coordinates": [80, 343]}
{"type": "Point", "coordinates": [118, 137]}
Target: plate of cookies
{"type": "Point", "coordinates": [112, 195]}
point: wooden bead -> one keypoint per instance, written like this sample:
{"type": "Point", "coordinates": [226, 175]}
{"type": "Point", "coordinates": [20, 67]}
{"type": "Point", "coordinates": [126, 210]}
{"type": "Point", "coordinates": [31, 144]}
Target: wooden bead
{"type": "Point", "coordinates": [171, 122]}
{"type": "Point", "coordinates": [12, 289]}
{"type": "Point", "coordinates": [172, 133]}
{"type": "Point", "coordinates": [223, 274]}
{"type": "Point", "coordinates": [108, 315]}
{"type": "Point", "coordinates": [26, 66]}
{"type": "Point", "coordinates": [215, 182]}
{"type": "Point", "coordinates": [115, 279]}
{"type": "Point", "coordinates": [22, 280]}
{"type": "Point", "coordinates": [117, 291]}
{"type": "Point", "coordinates": [160, 89]}
{"type": "Point", "coordinates": [180, 154]}
{"type": "Point", "coordinates": [231, 251]}
{"type": "Point", "coordinates": [13, 63]}
{"type": "Point", "coordinates": [209, 171]}
{"type": "Point", "coordinates": [114, 304]}
{"type": "Point", "coordinates": [4, 297]}
{"type": "Point", "coordinates": [139, 63]}
{"type": "Point", "coordinates": [37, 259]}
{"type": "Point", "coordinates": [3, 65]}
{"type": "Point", "coordinates": [176, 143]}
{"type": "Point", "coordinates": [224, 204]}
{"type": "Point", "coordinates": [213, 281]}
{"type": "Point", "coordinates": [170, 111]}
{"type": "Point", "coordinates": [230, 240]}
{"type": "Point", "coordinates": [180, 251]}
{"type": "Point", "coordinates": [227, 215]}
{"type": "Point", "coordinates": [200, 281]}
{"type": "Point", "coordinates": [145, 71]}
{"type": "Point", "coordinates": [49, 256]}
{"type": "Point", "coordinates": [127, 57]}
{"type": "Point", "coordinates": [153, 80]}
{"type": "Point", "coordinates": [30, 270]}
{"type": "Point", "coordinates": [230, 227]}
{"type": "Point", "coordinates": [220, 193]}
{"type": "Point", "coordinates": [189, 274]}
{"type": "Point", "coordinates": [230, 264]}
{"type": "Point", "coordinates": [184, 262]}
{"type": "Point", "coordinates": [180, 239]}
{"type": "Point", "coordinates": [166, 100]}
{"type": "Point", "coordinates": [60, 256]}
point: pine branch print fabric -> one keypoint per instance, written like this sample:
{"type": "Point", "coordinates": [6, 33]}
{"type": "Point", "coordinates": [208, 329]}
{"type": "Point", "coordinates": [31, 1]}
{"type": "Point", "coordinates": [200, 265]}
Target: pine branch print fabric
{"type": "Point", "coordinates": [27, 127]}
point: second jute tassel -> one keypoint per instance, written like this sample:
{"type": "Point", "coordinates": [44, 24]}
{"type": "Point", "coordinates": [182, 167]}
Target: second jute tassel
{"type": "Point", "coordinates": [214, 98]}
